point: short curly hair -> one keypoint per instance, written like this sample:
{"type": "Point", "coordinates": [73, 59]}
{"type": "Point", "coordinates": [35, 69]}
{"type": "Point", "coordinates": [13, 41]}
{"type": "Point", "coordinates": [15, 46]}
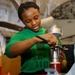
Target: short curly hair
{"type": "Point", "coordinates": [26, 5]}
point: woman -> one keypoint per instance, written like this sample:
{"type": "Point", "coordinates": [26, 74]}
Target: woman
{"type": "Point", "coordinates": [34, 52]}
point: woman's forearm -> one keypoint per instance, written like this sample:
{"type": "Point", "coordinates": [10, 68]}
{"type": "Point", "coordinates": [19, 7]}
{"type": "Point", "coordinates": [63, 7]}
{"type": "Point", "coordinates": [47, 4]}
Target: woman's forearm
{"type": "Point", "coordinates": [20, 47]}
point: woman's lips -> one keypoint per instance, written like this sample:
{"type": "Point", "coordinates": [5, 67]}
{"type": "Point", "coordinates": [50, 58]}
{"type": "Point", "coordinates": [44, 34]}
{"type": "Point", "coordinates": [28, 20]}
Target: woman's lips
{"type": "Point", "coordinates": [35, 28]}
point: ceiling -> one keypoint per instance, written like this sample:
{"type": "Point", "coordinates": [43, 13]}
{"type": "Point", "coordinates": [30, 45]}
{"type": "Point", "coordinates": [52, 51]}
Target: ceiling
{"type": "Point", "coordinates": [46, 6]}
{"type": "Point", "coordinates": [59, 9]}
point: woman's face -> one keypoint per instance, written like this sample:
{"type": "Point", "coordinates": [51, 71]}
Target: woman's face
{"type": "Point", "coordinates": [31, 18]}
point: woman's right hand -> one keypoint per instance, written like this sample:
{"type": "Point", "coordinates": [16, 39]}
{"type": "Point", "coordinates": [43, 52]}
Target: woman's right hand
{"type": "Point", "coordinates": [52, 40]}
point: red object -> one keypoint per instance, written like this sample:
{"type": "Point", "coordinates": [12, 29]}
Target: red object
{"type": "Point", "coordinates": [56, 65]}
{"type": "Point", "coordinates": [0, 70]}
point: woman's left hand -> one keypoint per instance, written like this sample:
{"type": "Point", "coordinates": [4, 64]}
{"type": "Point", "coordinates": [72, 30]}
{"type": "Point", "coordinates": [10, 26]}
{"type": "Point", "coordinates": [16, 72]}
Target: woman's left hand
{"type": "Point", "coordinates": [62, 55]}
{"type": "Point", "coordinates": [63, 59]}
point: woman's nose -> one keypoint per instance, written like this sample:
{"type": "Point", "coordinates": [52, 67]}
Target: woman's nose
{"type": "Point", "coordinates": [33, 22]}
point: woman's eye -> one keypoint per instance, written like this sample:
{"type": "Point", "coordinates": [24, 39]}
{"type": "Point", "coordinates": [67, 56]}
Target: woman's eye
{"type": "Point", "coordinates": [36, 18]}
{"type": "Point", "coordinates": [28, 21]}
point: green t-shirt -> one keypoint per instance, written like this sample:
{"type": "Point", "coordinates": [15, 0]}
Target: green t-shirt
{"type": "Point", "coordinates": [37, 57]}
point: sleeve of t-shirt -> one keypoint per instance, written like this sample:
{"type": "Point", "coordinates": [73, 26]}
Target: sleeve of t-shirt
{"type": "Point", "coordinates": [15, 38]}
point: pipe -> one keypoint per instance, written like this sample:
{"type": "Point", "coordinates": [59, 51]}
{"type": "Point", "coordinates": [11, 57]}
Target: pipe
{"type": "Point", "coordinates": [15, 3]}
